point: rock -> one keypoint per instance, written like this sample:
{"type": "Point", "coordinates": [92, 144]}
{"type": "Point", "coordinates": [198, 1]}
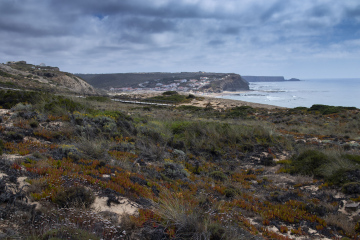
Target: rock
{"type": "Point", "coordinates": [351, 206]}
{"type": "Point", "coordinates": [179, 152]}
{"type": "Point", "coordinates": [106, 176]}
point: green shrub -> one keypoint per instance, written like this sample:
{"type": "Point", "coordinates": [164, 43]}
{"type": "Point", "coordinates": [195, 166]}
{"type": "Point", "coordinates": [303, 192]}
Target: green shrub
{"type": "Point", "coordinates": [179, 127]}
{"type": "Point", "coordinates": [98, 99]}
{"type": "Point", "coordinates": [190, 108]}
{"type": "Point", "coordinates": [174, 171]}
{"type": "Point", "coordinates": [216, 231]}
{"type": "Point", "coordinates": [8, 84]}
{"type": "Point", "coordinates": [325, 109]}
{"type": "Point", "coordinates": [191, 96]}
{"type": "Point", "coordinates": [76, 196]}
{"type": "Point", "coordinates": [10, 98]}
{"type": "Point", "coordinates": [33, 123]}
{"type": "Point", "coordinates": [309, 162]}
{"type": "Point", "coordinates": [217, 175]}
{"type": "Point", "coordinates": [241, 111]}
{"type": "Point", "coordinates": [351, 188]}
{"type": "Point", "coordinates": [16, 136]}
{"type": "Point", "coordinates": [169, 93]}
{"type": "Point", "coordinates": [60, 105]}
{"type": "Point", "coordinates": [176, 98]}
{"type": "Point", "coordinates": [353, 158]}
{"type": "Point", "coordinates": [230, 192]}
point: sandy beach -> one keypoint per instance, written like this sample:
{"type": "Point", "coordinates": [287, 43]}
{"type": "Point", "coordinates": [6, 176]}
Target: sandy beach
{"type": "Point", "coordinates": [203, 100]}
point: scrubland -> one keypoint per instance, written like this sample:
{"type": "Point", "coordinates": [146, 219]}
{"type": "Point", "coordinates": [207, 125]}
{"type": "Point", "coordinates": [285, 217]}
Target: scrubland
{"type": "Point", "coordinates": [189, 172]}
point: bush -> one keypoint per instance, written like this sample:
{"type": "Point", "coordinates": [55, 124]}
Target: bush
{"type": "Point", "coordinates": [176, 98]}
{"type": "Point", "coordinates": [76, 196]}
{"type": "Point", "coordinates": [216, 231]}
{"type": "Point", "coordinates": [230, 192]}
{"type": "Point", "coordinates": [22, 107]}
{"type": "Point", "coordinates": [351, 188]}
{"type": "Point", "coordinates": [33, 123]}
{"type": "Point", "coordinates": [190, 108]}
{"type": "Point", "coordinates": [217, 175]}
{"type": "Point", "coordinates": [98, 99]}
{"type": "Point", "coordinates": [174, 171]}
{"type": "Point", "coordinates": [10, 98]}
{"type": "Point", "coordinates": [61, 105]}
{"type": "Point", "coordinates": [309, 162]}
{"type": "Point", "coordinates": [241, 111]}
{"type": "Point", "coordinates": [169, 93]}
{"type": "Point", "coordinates": [353, 158]}
{"type": "Point", "coordinates": [325, 109]}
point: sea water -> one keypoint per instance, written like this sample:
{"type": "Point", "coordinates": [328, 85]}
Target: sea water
{"type": "Point", "coordinates": [305, 93]}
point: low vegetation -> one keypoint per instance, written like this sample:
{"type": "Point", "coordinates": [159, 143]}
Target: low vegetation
{"type": "Point", "coordinates": [193, 173]}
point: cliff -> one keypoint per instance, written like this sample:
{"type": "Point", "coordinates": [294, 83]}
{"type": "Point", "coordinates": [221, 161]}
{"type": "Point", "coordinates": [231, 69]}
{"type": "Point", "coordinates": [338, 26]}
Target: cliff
{"type": "Point", "coordinates": [231, 82]}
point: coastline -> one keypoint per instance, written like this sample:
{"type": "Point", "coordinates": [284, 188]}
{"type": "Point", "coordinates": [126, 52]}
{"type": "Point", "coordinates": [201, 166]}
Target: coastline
{"type": "Point", "coordinates": [206, 99]}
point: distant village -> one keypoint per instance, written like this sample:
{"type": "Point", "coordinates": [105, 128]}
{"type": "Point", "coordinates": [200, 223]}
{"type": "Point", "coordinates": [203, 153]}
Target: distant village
{"type": "Point", "coordinates": [182, 85]}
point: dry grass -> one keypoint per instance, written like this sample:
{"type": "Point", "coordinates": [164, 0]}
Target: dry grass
{"type": "Point", "coordinates": [342, 221]}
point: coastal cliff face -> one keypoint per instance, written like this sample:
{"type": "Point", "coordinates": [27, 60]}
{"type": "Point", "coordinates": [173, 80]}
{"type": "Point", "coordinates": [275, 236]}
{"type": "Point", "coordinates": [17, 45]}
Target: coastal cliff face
{"type": "Point", "coordinates": [232, 82]}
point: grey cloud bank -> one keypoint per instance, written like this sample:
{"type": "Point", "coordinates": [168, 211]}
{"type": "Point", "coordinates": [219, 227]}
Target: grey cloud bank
{"type": "Point", "coordinates": [304, 39]}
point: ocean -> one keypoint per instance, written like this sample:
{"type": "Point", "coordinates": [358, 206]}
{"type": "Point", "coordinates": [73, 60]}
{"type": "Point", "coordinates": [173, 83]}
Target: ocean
{"type": "Point", "coordinates": [305, 93]}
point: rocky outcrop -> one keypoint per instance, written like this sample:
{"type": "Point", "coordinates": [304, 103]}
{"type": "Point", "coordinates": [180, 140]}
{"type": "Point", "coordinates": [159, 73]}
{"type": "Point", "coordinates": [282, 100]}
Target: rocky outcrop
{"type": "Point", "coordinates": [28, 76]}
{"type": "Point", "coordinates": [74, 84]}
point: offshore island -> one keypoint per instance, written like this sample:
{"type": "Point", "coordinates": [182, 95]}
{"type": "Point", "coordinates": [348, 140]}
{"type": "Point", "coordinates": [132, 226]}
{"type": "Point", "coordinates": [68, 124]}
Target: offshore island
{"type": "Point", "coordinates": [80, 161]}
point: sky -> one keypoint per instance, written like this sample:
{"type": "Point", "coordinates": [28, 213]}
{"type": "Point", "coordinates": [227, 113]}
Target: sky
{"type": "Point", "coordinates": [291, 38]}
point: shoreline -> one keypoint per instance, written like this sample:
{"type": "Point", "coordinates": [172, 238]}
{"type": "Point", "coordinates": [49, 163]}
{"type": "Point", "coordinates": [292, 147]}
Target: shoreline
{"type": "Point", "coordinates": [203, 100]}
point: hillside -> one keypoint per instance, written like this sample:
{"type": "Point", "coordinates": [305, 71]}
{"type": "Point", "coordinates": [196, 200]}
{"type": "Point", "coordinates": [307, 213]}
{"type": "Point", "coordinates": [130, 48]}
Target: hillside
{"type": "Point", "coordinates": [46, 78]}
{"type": "Point", "coordinates": [91, 168]}
{"type": "Point", "coordinates": [120, 80]}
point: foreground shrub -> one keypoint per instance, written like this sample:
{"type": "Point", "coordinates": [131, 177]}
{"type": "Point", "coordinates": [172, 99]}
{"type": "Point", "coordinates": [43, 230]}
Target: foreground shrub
{"type": "Point", "coordinates": [98, 99]}
{"type": "Point", "coordinates": [169, 93]}
{"type": "Point", "coordinates": [241, 111]}
{"type": "Point", "coordinates": [76, 196]}
{"type": "Point", "coordinates": [351, 188]}
{"type": "Point", "coordinates": [309, 162]}
{"type": "Point", "coordinates": [10, 98]}
{"type": "Point", "coordinates": [325, 109]}
{"type": "Point", "coordinates": [217, 175]}
{"type": "Point", "coordinates": [174, 171]}
{"type": "Point", "coordinates": [60, 105]}
{"type": "Point", "coordinates": [178, 214]}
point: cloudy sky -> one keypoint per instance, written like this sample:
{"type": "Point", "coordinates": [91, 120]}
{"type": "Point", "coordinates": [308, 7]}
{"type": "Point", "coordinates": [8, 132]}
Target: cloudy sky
{"type": "Point", "coordinates": [292, 38]}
